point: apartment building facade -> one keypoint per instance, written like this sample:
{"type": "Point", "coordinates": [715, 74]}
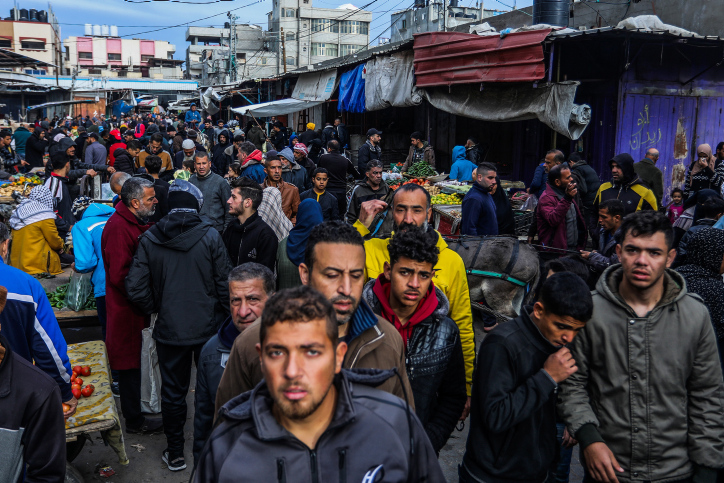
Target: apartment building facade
{"type": "Point", "coordinates": [35, 34]}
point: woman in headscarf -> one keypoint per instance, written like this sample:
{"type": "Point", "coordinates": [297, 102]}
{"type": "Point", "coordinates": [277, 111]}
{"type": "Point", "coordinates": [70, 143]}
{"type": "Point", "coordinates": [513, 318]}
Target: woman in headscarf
{"type": "Point", "coordinates": [503, 211]}
{"type": "Point", "coordinates": [271, 212]}
{"type": "Point", "coordinates": [293, 141]}
{"type": "Point", "coordinates": [36, 243]}
{"type": "Point", "coordinates": [290, 253]}
{"type": "Point", "coordinates": [700, 174]}
{"type": "Point", "coordinates": [691, 213]}
{"type": "Point", "coordinates": [703, 275]}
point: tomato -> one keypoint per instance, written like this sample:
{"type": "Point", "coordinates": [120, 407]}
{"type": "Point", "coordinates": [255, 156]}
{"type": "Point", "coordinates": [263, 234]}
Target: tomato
{"type": "Point", "coordinates": [76, 392]}
{"type": "Point", "coordinates": [78, 381]}
{"type": "Point", "coordinates": [88, 390]}
{"type": "Point", "coordinates": [77, 369]}
{"type": "Point", "coordinates": [66, 408]}
{"type": "Point", "coordinates": [73, 377]}
{"type": "Point", "coordinates": [86, 371]}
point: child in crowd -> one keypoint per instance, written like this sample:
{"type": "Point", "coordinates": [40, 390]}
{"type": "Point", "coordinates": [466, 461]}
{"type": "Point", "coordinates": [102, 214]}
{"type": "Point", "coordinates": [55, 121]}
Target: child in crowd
{"type": "Point", "coordinates": [234, 172]}
{"type": "Point", "coordinates": [676, 207]}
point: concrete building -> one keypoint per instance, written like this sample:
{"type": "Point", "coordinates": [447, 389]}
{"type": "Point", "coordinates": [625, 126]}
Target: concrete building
{"type": "Point", "coordinates": [102, 53]}
{"type": "Point", "coordinates": [35, 34]}
{"type": "Point", "coordinates": [428, 17]}
{"type": "Point", "coordinates": [313, 35]}
{"type": "Point", "coordinates": [207, 57]}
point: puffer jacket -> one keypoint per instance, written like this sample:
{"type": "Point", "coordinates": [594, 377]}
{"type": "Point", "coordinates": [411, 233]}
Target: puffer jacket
{"type": "Point", "coordinates": [180, 270]}
{"type": "Point", "coordinates": [253, 168]}
{"type": "Point", "coordinates": [123, 161]}
{"type": "Point", "coordinates": [631, 191]}
{"type": "Point", "coordinates": [369, 430]}
{"type": "Point", "coordinates": [649, 387]}
{"type": "Point", "coordinates": [435, 367]}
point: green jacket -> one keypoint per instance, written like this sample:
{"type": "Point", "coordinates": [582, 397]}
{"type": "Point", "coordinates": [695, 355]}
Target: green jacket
{"type": "Point", "coordinates": [287, 272]}
{"type": "Point", "coordinates": [649, 387]}
{"type": "Point", "coordinates": [652, 176]}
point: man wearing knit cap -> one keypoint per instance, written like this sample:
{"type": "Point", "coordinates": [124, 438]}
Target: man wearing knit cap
{"type": "Point", "coordinates": [301, 153]}
{"type": "Point", "coordinates": [307, 136]}
{"type": "Point", "coordinates": [184, 258]}
{"type": "Point", "coordinates": [187, 153]}
{"type": "Point", "coordinates": [291, 171]}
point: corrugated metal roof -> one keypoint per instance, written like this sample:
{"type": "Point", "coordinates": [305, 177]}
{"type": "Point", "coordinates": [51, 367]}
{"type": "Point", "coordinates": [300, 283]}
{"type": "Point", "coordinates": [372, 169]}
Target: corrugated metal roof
{"type": "Point", "coordinates": [642, 33]}
{"type": "Point", "coordinates": [446, 58]}
{"type": "Point", "coordinates": [9, 59]}
{"type": "Point", "coordinates": [119, 83]}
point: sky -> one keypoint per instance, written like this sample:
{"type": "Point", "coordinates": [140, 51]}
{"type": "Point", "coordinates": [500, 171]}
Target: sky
{"type": "Point", "coordinates": [155, 20]}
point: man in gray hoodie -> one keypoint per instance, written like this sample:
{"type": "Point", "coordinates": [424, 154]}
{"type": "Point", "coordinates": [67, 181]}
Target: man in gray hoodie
{"type": "Point", "coordinates": [216, 192]}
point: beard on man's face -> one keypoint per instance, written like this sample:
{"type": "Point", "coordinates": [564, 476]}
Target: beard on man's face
{"type": "Point", "coordinates": [406, 226]}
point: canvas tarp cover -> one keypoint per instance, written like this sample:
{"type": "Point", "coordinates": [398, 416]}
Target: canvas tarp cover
{"type": "Point", "coordinates": [390, 82]}
{"type": "Point", "coordinates": [551, 104]}
{"type": "Point", "coordinates": [316, 86]}
{"type": "Point", "coordinates": [275, 108]}
{"type": "Point", "coordinates": [352, 90]}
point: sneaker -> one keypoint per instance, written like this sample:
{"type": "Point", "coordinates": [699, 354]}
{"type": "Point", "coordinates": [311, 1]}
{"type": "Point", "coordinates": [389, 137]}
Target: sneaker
{"type": "Point", "coordinates": [177, 463]}
{"type": "Point", "coordinates": [115, 389]}
{"type": "Point", "coordinates": [149, 426]}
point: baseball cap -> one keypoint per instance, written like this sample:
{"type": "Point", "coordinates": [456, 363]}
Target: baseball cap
{"type": "Point", "coordinates": [372, 132]}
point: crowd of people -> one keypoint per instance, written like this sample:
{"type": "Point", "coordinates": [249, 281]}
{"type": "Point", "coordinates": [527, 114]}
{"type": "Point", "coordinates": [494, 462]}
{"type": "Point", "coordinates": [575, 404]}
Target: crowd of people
{"type": "Point", "coordinates": [329, 349]}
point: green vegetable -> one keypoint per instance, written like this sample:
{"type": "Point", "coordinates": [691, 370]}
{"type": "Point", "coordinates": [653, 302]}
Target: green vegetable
{"type": "Point", "coordinates": [421, 170]}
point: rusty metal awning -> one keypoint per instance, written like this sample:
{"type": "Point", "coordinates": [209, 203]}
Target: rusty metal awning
{"type": "Point", "coordinates": [447, 58]}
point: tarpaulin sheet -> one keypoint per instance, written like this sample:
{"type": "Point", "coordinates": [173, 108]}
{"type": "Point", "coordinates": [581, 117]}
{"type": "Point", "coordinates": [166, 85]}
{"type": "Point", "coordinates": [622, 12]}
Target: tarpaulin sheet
{"type": "Point", "coordinates": [390, 82]}
{"type": "Point", "coordinates": [352, 90]}
{"type": "Point", "coordinates": [276, 108]}
{"type": "Point", "coordinates": [551, 104]}
{"type": "Point", "coordinates": [209, 101]}
{"type": "Point", "coordinates": [316, 86]}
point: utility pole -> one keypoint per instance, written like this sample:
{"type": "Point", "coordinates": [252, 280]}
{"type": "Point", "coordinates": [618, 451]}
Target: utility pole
{"type": "Point", "coordinates": [284, 49]}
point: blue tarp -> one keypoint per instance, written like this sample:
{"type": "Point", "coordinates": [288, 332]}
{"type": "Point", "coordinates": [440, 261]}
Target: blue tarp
{"type": "Point", "coordinates": [120, 108]}
{"type": "Point", "coordinates": [352, 91]}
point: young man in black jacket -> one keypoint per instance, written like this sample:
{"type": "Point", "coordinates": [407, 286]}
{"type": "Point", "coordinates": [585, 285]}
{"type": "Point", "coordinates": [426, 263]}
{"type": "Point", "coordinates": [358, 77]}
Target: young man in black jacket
{"type": "Point", "coordinates": [326, 200]}
{"type": "Point", "coordinates": [405, 295]}
{"type": "Point", "coordinates": [520, 365]}
{"type": "Point", "coordinates": [248, 238]}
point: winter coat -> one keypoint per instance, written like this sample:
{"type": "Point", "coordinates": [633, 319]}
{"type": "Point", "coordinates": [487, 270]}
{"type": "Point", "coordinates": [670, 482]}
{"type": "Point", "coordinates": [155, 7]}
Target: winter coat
{"type": "Point", "coordinates": [449, 277]}
{"type": "Point", "coordinates": [631, 191]}
{"type": "Point", "coordinates": [35, 248]}
{"type": "Point", "coordinates": [125, 322]}
{"type": "Point", "coordinates": [473, 154]}
{"type": "Point", "coordinates": [20, 136]}
{"type": "Point", "coordinates": [329, 133]}
{"type": "Point", "coordinates": [342, 136]}
{"type": "Point", "coordinates": [166, 162]}
{"type": "Point", "coordinates": [87, 245]}
{"type": "Point", "coordinates": [35, 148]}
{"type": "Point", "coordinates": [32, 429]}
{"type": "Point", "coordinates": [652, 176]}
{"type": "Point", "coordinates": [551, 214]}
{"type": "Point", "coordinates": [296, 175]}
{"type": "Point", "coordinates": [369, 430]}
{"type": "Point", "coordinates": [290, 198]}
{"type": "Point", "coordinates": [95, 156]}
{"type": "Point", "coordinates": [362, 192]}
{"type": "Point", "coordinates": [161, 188]}
{"type": "Point", "coordinates": [254, 241]}
{"type": "Point", "coordinates": [112, 152]}
{"type": "Point", "coordinates": [589, 184]}
{"type": "Point", "coordinates": [428, 155]}
{"type": "Point", "coordinates": [123, 161]}
{"type": "Point", "coordinates": [307, 136]}
{"type": "Point", "coordinates": [180, 271]}
{"type": "Point", "coordinates": [327, 201]}
{"type": "Point", "coordinates": [373, 344]}
{"type": "Point", "coordinates": [606, 256]}
{"type": "Point", "coordinates": [29, 323]}
{"type": "Point", "coordinates": [216, 193]}
{"type": "Point", "coordinates": [256, 136]}
{"type": "Point", "coordinates": [435, 367]}
{"type": "Point", "coordinates": [58, 186]}
{"type": "Point", "coordinates": [682, 246]}
{"type": "Point", "coordinates": [513, 411]}
{"type": "Point", "coordinates": [279, 139]}
{"type": "Point", "coordinates": [218, 157]}
{"type": "Point", "coordinates": [287, 272]}
{"type": "Point", "coordinates": [539, 180]}
{"type": "Point", "coordinates": [366, 154]}
{"type": "Point", "coordinates": [338, 167]}
{"type": "Point", "coordinates": [462, 169]}
{"type": "Point", "coordinates": [212, 362]}
{"type": "Point", "coordinates": [253, 167]}
{"type": "Point", "coordinates": [192, 116]}
{"type": "Point", "coordinates": [649, 387]}
{"type": "Point", "coordinates": [478, 213]}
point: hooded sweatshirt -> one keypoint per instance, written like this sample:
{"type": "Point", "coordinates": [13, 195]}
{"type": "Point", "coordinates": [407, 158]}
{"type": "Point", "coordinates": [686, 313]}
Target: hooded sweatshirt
{"type": "Point", "coordinates": [180, 271]}
{"type": "Point", "coordinates": [462, 168]}
{"type": "Point", "coordinates": [630, 190]}
{"type": "Point", "coordinates": [253, 241]}
{"type": "Point", "coordinates": [218, 158]}
{"type": "Point", "coordinates": [253, 168]}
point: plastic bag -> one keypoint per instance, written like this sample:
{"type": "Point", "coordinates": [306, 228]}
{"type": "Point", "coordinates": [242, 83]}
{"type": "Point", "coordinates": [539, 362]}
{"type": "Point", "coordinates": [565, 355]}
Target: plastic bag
{"type": "Point", "coordinates": [530, 203]}
{"type": "Point", "coordinates": [79, 289]}
{"type": "Point", "coordinates": [150, 371]}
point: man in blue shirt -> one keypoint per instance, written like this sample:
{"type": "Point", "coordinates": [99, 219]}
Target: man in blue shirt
{"type": "Point", "coordinates": [478, 209]}
{"type": "Point", "coordinates": [462, 168]}
{"type": "Point", "coordinates": [193, 115]}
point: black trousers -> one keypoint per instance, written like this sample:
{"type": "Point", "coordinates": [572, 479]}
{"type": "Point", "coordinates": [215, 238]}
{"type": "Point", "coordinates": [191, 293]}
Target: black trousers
{"type": "Point", "coordinates": [175, 364]}
{"type": "Point", "coordinates": [129, 387]}
{"type": "Point", "coordinates": [341, 202]}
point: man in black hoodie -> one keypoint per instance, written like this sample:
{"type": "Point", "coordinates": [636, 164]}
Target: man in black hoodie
{"type": "Point", "coordinates": [35, 147]}
{"type": "Point", "coordinates": [625, 186]}
{"type": "Point", "coordinates": [248, 238]}
{"type": "Point", "coordinates": [180, 271]}
{"type": "Point", "coordinates": [520, 365]}
{"type": "Point", "coordinates": [219, 161]}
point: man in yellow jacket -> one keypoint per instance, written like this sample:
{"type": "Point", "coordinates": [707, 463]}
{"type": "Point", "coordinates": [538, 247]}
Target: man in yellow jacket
{"type": "Point", "coordinates": [411, 207]}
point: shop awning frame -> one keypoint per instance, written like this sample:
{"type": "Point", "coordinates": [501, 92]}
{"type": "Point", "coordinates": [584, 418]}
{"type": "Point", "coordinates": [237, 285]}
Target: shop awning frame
{"type": "Point", "coordinates": [276, 108]}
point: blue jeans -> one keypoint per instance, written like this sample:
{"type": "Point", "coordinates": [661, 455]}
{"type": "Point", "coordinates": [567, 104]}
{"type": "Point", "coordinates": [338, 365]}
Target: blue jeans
{"type": "Point", "coordinates": [563, 468]}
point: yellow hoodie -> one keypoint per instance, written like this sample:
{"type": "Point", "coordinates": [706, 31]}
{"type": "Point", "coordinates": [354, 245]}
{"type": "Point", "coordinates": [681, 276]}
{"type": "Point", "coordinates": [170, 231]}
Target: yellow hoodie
{"type": "Point", "coordinates": [450, 277]}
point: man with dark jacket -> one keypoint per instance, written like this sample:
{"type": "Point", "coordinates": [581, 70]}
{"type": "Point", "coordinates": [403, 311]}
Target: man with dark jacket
{"type": "Point", "coordinates": [338, 168]}
{"type": "Point", "coordinates": [252, 164]}
{"type": "Point", "coordinates": [218, 156]}
{"type": "Point", "coordinates": [308, 420]}
{"type": "Point", "coordinates": [215, 190]}
{"type": "Point", "coordinates": [180, 272]}
{"type": "Point", "coordinates": [279, 137]}
{"type": "Point", "coordinates": [626, 186]}
{"type": "Point", "coordinates": [472, 151]}
{"type": "Point", "coordinates": [35, 147]}
{"type": "Point", "coordinates": [369, 150]}
{"type": "Point", "coordinates": [328, 133]}
{"type": "Point", "coordinates": [649, 380]}
{"type": "Point", "coordinates": [370, 188]}
{"type": "Point", "coordinates": [610, 216]}
{"type": "Point", "coordinates": [307, 136]}
{"type": "Point", "coordinates": [57, 183]}
{"type": "Point", "coordinates": [373, 343]}
{"type": "Point", "coordinates": [478, 208]}
{"type": "Point", "coordinates": [32, 430]}
{"type": "Point", "coordinates": [256, 136]}
{"type": "Point", "coordinates": [125, 158]}
{"type": "Point", "coordinates": [153, 165]}
{"type": "Point", "coordinates": [301, 157]}
{"type": "Point", "coordinates": [155, 148]}
{"type": "Point", "coordinates": [560, 222]}
{"type": "Point", "coordinates": [405, 295]}
{"type": "Point", "coordinates": [20, 136]}
{"type": "Point", "coordinates": [250, 285]}
{"type": "Point", "coordinates": [248, 238]}
{"type": "Point", "coordinates": [326, 200]}
{"type": "Point", "coordinates": [420, 150]}
{"type": "Point", "coordinates": [520, 366]}
{"type": "Point", "coordinates": [651, 175]}
{"type": "Point", "coordinates": [342, 133]}
{"type": "Point", "coordinates": [587, 184]}
{"type": "Point", "coordinates": [292, 172]}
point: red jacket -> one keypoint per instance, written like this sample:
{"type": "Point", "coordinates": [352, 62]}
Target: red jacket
{"type": "Point", "coordinates": [114, 146]}
{"type": "Point", "coordinates": [551, 217]}
{"type": "Point", "coordinates": [124, 322]}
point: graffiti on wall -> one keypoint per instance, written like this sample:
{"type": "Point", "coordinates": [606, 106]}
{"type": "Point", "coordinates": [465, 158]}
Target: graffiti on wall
{"type": "Point", "coordinates": [646, 136]}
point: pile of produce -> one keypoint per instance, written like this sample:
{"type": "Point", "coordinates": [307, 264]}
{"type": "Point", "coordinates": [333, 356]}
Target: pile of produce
{"type": "Point", "coordinates": [57, 299]}
{"type": "Point", "coordinates": [421, 170]}
{"type": "Point", "coordinates": [77, 384]}
{"type": "Point", "coordinates": [432, 189]}
{"type": "Point", "coordinates": [443, 199]}
{"type": "Point", "coordinates": [22, 184]}
{"type": "Point", "coordinates": [419, 182]}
